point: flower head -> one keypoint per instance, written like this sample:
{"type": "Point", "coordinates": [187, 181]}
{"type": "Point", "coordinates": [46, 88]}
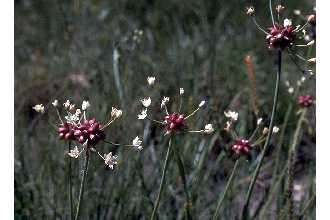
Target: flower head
{"type": "Point", "coordinates": [287, 22]}
{"type": "Point", "coordinates": [231, 115]}
{"type": "Point", "coordinates": [151, 80]}
{"type": "Point", "coordinates": [116, 113]}
{"type": "Point", "coordinates": [71, 107]}
{"type": "Point", "coordinates": [74, 153]}
{"type": "Point", "coordinates": [89, 131]}
{"type": "Point", "coordinates": [110, 160]}
{"type": "Point", "coordinates": [250, 10]}
{"type": "Point", "coordinates": [279, 8]}
{"type": "Point", "coordinates": [85, 105]}
{"type": "Point", "coordinates": [39, 108]}
{"type": "Point", "coordinates": [165, 100]}
{"type": "Point", "coordinates": [281, 37]}
{"type": "Point", "coordinates": [146, 102]}
{"type": "Point", "coordinates": [276, 129]}
{"type": "Point", "coordinates": [181, 91]}
{"type": "Point", "coordinates": [78, 112]}
{"type": "Point", "coordinates": [208, 129]}
{"type": "Point", "coordinates": [174, 122]}
{"type": "Point", "coordinates": [201, 104]}
{"type": "Point", "coordinates": [55, 103]}
{"type": "Point", "coordinates": [241, 147]}
{"type": "Point", "coordinates": [305, 101]}
{"type": "Point", "coordinates": [259, 121]}
{"type": "Point", "coordinates": [66, 104]}
{"type": "Point", "coordinates": [137, 143]}
{"type": "Point", "coordinates": [143, 114]}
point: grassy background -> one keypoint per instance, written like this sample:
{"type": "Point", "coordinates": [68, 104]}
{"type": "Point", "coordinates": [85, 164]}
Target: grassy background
{"type": "Point", "coordinates": [64, 50]}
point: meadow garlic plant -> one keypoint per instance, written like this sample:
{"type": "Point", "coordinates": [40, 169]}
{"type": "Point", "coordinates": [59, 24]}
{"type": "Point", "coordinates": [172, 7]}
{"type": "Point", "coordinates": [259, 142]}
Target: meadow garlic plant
{"type": "Point", "coordinates": [241, 148]}
{"type": "Point", "coordinates": [281, 36]}
{"type": "Point", "coordinates": [173, 124]}
{"type": "Point", "coordinates": [87, 133]}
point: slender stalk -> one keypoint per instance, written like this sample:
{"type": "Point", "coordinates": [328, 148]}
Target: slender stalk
{"type": "Point", "coordinates": [276, 183]}
{"type": "Point", "coordinates": [269, 135]}
{"type": "Point", "coordinates": [310, 202]}
{"type": "Point", "coordinates": [271, 11]}
{"type": "Point", "coordinates": [280, 142]}
{"type": "Point", "coordinates": [222, 196]}
{"type": "Point", "coordinates": [185, 185]}
{"type": "Point", "coordinates": [162, 181]}
{"type": "Point", "coordinates": [70, 184]}
{"type": "Point", "coordinates": [291, 161]}
{"type": "Point", "coordinates": [82, 186]}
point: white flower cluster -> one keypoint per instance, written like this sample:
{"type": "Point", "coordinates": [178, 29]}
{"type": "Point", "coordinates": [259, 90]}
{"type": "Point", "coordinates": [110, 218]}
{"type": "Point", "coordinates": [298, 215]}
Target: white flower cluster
{"type": "Point", "coordinates": [39, 108]}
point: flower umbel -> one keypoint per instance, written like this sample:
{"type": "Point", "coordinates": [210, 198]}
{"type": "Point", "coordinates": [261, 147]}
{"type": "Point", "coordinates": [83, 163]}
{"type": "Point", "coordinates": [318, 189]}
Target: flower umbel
{"type": "Point", "coordinates": [39, 108]}
{"type": "Point", "coordinates": [305, 101]}
{"type": "Point", "coordinates": [88, 132]}
{"type": "Point", "coordinates": [174, 122]}
{"type": "Point", "coordinates": [281, 37]}
{"type": "Point", "coordinates": [241, 147]}
{"type": "Point", "coordinates": [110, 160]}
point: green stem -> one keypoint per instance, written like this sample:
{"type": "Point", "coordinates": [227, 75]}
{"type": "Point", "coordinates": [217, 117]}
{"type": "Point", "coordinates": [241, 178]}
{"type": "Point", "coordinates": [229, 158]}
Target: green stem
{"type": "Point", "coordinates": [162, 181]}
{"type": "Point", "coordinates": [291, 161]}
{"type": "Point", "coordinates": [272, 193]}
{"type": "Point", "coordinates": [310, 202]}
{"type": "Point", "coordinates": [222, 196]}
{"type": "Point", "coordinates": [70, 184]}
{"type": "Point", "coordinates": [185, 185]}
{"type": "Point", "coordinates": [280, 142]}
{"type": "Point", "coordinates": [82, 186]}
{"type": "Point", "coordinates": [266, 145]}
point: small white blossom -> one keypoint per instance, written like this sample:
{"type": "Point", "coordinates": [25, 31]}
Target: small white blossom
{"type": "Point", "coordinates": [259, 121]}
{"type": "Point", "coordinates": [228, 126]}
{"type": "Point", "coordinates": [72, 118]}
{"type": "Point", "coordinates": [66, 104]}
{"type": "Point", "coordinates": [297, 12]}
{"type": "Point", "coordinates": [181, 91]}
{"type": "Point", "coordinates": [287, 22]}
{"type": "Point", "coordinates": [208, 129]}
{"type": "Point", "coordinates": [78, 112]}
{"type": "Point", "coordinates": [74, 153]}
{"type": "Point", "coordinates": [143, 114]}
{"type": "Point", "coordinates": [164, 101]}
{"type": "Point", "coordinates": [312, 60]}
{"type": "Point", "coordinates": [201, 104]}
{"type": "Point", "coordinates": [146, 102]}
{"type": "Point", "coordinates": [232, 115]}
{"type": "Point", "coordinates": [279, 8]}
{"type": "Point", "coordinates": [137, 143]}
{"type": "Point", "coordinates": [275, 129]}
{"type": "Point", "coordinates": [307, 38]}
{"type": "Point", "coordinates": [116, 113]}
{"type": "Point", "coordinates": [85, 105]}
{"type": "Point", "coordinates": [55, 103]}
{"type": "Point", "coordinates": [298, 192]}
{"type": "Point", "coordinates": [250, 10]}
{"type": "Point", "coordinates": [303, 79]}
{"type": "Point", "coordinates": [110, 160]}
{"type": "Point", "coordinates": [265, 131]}
{"type": "Point", "coordinates": [39, 108]}
{"type": "Point", "coordinates": [151, 80]}
{"type": "Point", "coordinates": [71, 107]}
{"type": "Point", "coordinates": [291, 90]}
